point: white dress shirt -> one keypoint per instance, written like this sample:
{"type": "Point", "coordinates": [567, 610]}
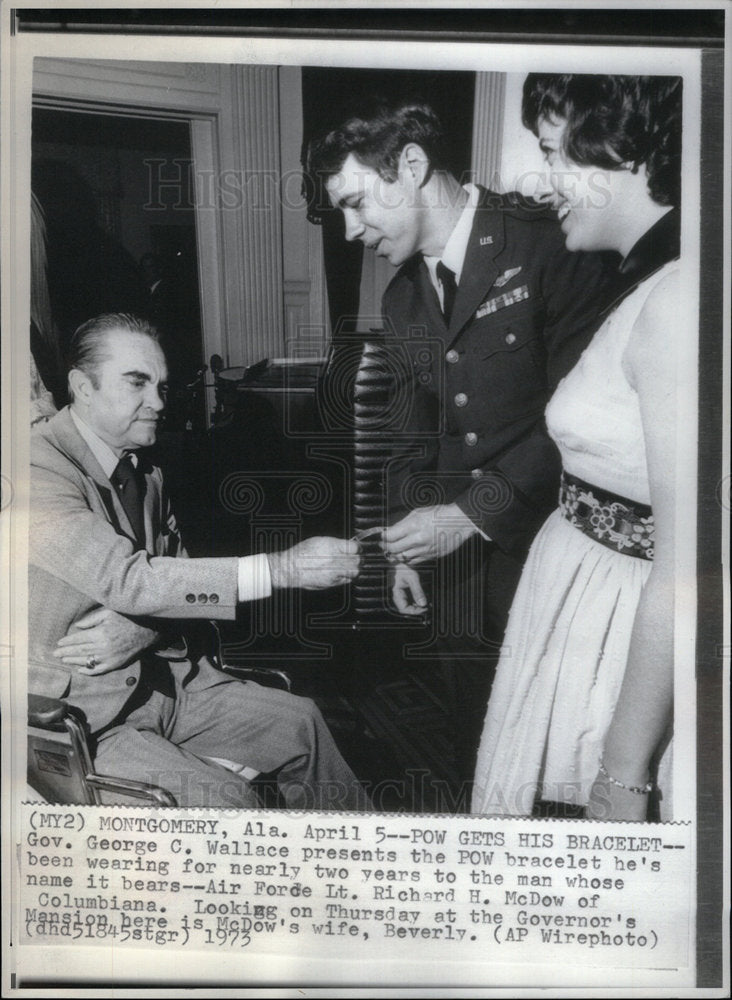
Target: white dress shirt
{"type": "Point", "coordinates": [453, 256]}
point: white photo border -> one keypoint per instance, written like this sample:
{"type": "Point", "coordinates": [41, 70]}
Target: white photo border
{"type": "Point", "coordinates": [707, 74]}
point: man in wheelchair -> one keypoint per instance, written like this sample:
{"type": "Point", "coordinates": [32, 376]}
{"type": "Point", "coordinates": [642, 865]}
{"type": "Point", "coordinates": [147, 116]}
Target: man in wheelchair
{"type": "Point", "coordinates": [109, 582]}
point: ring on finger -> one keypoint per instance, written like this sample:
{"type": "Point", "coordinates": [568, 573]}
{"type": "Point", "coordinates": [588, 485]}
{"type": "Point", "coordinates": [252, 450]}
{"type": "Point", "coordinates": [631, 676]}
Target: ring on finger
{"type": "Point", "coordinates": [92, 661]}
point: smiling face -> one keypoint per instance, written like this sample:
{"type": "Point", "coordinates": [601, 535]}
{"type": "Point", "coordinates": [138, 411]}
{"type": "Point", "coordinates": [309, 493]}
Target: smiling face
{"type": "Point", "coordinates": [586, 198]}
{"type": "Point", "coordinates": [384, 215]}
{"type": "Point", "coordinates": [124, 401]}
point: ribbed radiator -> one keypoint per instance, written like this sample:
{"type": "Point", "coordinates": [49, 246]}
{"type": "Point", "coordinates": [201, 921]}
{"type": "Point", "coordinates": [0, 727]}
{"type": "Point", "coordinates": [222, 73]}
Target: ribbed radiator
{"type": "Point", "coordinates": [373, 414]}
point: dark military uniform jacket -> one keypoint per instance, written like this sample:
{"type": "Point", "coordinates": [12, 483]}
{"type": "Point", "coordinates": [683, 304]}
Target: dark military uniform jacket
{"type": "Point", "coordinates": [473, 429]}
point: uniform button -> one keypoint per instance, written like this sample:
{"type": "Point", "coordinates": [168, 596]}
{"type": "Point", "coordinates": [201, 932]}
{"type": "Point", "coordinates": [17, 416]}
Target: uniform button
{"type": "Point", "coordinates": [476, 473]}
{"type": "Point", "coordinates": [130, 682]}
{"type": "Point", "coordinates": [214, 598]}
{"type": "Point", "coordinates": [191, 598]}
{"type": "Point", "coordinates": [452, 357]}
{"type": "Point", "coordinates": [461, 399]}
{"type": "Point", "coordinates": [203, 598]}
{"type": "Point", "coordinates": [510, 338]}
{"type": "Point", "coordinates": [471, 438]}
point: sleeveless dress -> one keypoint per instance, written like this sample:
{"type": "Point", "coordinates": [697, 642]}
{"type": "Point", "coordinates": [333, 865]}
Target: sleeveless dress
{"type": "Point", "coordinates": [568, 635]}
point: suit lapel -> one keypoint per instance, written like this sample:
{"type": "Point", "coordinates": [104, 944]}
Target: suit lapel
{"type": "Point", "coordinates": [76, 448]}
{"type": "Point", "coordinates": [149, 506]}
{"type": "Point", "coordinates": [479, 268]}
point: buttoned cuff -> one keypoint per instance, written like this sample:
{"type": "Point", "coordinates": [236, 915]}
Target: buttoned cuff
{"type": "Point", "coordinates": [254, 581]}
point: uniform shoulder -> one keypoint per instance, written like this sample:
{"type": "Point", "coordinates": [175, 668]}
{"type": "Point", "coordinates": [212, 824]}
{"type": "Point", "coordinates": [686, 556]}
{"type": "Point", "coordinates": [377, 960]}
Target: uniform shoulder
{"type": "Point", "coordinates": [518, 206]}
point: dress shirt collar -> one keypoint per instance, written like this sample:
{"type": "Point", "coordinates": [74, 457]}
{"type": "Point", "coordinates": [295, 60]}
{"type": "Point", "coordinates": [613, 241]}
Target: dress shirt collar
{"type": "Point", "coordinates": [453, 256]}
{"type": "Point", "coordinates": [99, 449]}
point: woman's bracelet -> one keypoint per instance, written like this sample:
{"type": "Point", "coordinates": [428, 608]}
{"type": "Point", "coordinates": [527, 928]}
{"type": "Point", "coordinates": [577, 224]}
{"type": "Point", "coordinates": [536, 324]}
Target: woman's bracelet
{"type": "Point", "coordinates": [635, 789]}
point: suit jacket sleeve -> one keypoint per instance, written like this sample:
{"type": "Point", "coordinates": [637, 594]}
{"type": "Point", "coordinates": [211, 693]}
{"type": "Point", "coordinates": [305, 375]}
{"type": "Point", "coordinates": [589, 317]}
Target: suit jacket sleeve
{"type": "Point", "coordinates": [77, 544]}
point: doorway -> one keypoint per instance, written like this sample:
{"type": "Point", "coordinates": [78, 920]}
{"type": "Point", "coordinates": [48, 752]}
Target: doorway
{"type": "Point", "coordinates": [116, 194]}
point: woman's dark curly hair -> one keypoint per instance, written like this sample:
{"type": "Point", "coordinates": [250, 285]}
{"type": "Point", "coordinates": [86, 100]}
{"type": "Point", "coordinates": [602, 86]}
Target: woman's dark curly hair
{"type": "Point", "coordinates": [612, 121]}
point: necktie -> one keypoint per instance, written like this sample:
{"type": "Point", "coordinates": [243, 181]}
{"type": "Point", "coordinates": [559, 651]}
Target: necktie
{"type": "Point", "coordinates": [449, 290]}
{"type": "Point", "coordinates": [131, 491]}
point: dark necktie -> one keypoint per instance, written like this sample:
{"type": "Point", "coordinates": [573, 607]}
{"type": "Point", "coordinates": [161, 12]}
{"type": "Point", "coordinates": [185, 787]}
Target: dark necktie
{"type": "Point", "coordinates": [131, 491]}
{"type": "Point", "coordinates": [449, 290]}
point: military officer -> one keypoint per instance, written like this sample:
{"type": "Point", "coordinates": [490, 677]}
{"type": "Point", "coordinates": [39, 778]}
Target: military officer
{"type": "Point", "coordinates": [492, 311]}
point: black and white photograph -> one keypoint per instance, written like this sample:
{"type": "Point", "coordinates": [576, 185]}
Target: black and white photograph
{"type": "Point", "coordinates": [365, 488]}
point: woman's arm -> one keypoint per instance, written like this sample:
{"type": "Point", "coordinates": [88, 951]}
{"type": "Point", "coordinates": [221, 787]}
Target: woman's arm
{"type": "Point", "coordinates": [645, 705]}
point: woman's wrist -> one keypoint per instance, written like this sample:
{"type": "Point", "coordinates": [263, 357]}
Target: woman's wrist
{"type": "Point", "coordinates": [632, 780]}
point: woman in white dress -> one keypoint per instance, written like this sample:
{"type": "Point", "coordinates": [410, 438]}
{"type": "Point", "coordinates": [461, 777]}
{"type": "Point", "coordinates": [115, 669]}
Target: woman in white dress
{"type": "Point", "coordinates": [581, 708]}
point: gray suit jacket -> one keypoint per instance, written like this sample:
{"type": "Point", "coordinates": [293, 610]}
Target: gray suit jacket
{"type": "Point", "coordinates": [82, 556]}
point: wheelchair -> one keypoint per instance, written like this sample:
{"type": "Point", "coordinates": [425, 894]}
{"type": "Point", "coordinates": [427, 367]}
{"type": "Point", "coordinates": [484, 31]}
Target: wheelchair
{"type": "Point", "coordinates": [60, 767]}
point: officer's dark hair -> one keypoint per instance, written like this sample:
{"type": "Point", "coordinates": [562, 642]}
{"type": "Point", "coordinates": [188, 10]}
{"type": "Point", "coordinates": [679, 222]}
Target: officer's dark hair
{"type": "Point", "coordinates": [613, 121]}
{"type": "Point", "coordinates": [376, 136]}
{"type": "Point", "coordinates": [89, 346]}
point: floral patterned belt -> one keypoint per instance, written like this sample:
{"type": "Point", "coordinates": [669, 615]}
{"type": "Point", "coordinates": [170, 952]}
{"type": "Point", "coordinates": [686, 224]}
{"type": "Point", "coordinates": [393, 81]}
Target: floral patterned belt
{"type": "Point", "coordinates": [622, 525]}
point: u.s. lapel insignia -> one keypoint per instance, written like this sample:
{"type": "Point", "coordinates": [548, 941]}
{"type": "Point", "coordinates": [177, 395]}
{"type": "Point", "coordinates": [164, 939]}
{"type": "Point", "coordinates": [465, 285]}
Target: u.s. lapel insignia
{"type": "Point", "coordinates": [486, 241]}
{"type": "Point", "coordinates": [503, 279]}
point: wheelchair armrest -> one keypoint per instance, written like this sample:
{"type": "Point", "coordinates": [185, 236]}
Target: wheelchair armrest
{"type": "Point", "coordinates": [266, 676]}
{"type": "Point", "coordinates": [47, 713]}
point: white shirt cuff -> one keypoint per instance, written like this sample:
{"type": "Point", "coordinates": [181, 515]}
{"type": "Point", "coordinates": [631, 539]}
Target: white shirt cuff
{"type": "Point", "coordinates": [254, 581]}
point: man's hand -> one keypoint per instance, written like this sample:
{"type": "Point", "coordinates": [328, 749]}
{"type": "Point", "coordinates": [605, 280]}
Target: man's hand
{"type": "Point", "coordinates": [427, 533]}
{"type": "Point", "coordinates": [110, 638]}
{"type": "Point", "coordinates": [315, 564]}
{"type": "Point", "coordinates": [407, 592]}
